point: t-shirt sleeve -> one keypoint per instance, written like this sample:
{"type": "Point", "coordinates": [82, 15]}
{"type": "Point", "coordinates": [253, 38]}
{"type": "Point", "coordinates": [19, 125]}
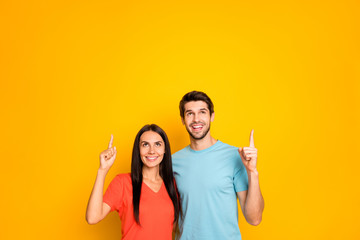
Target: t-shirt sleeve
{"type": "Point", "coordinates": [114, 193]}
{"type": "Point", "coordinates": [240, 176]}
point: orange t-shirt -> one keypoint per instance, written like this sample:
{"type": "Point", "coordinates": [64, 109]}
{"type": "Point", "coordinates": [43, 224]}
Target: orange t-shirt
{"type": "Point", "coordinates": [156, 211]}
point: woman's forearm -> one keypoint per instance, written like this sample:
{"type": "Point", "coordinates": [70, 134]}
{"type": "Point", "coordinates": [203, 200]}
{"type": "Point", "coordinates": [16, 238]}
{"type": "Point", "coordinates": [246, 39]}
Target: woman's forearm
{"type": "Point", "coordinates": [94, 211]}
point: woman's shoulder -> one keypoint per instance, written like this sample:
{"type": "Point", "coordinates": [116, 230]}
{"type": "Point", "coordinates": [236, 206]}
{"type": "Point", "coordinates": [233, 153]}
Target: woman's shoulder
{"type": "Point", "coordinates": [123, 177]}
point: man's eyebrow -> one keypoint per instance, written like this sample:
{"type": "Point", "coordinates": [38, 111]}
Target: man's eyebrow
{"type": "Point", "coordinates": [201, 109]}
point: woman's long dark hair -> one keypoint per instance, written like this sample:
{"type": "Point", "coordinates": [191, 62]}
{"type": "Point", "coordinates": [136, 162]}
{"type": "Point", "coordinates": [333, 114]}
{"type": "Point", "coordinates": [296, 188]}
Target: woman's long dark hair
{"type": "Point", "coordinates": [165, 171]}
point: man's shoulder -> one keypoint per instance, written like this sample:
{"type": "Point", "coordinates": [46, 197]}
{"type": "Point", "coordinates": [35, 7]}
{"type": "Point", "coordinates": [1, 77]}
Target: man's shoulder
{"type": "Point", "coordinates": [181, 152]}
{"type": "Point", "coordinates": [226, 151]}
{"type": "Point", "coordinates": [226, 146]}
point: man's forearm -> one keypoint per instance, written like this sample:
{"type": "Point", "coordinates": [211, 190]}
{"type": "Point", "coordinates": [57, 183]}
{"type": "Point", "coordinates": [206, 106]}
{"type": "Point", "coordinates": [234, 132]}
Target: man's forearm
{"type": "Point", "coordinates": [254, 204]}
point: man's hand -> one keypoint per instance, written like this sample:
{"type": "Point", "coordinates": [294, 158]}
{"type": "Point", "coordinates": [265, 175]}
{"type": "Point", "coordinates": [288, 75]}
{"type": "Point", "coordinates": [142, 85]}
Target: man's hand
{"type": "Point", "coordinates": [249, 155]}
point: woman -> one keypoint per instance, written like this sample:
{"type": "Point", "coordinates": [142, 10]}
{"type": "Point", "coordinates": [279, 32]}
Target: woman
{"type": "Point", "coordinates": [146, 199]}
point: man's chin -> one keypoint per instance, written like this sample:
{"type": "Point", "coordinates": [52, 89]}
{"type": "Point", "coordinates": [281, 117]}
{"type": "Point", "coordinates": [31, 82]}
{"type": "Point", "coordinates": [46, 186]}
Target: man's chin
{"type": "Point", "coordinates": [198, 136]}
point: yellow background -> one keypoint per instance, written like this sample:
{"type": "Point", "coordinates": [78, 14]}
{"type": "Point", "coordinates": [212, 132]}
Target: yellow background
{"type": "Point", "coordinates": [73, 72]}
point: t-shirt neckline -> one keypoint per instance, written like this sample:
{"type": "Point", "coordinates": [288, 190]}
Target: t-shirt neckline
{"type": "Point", "coordinates": [206, 149]}
{"type": "Point", "coordinates": [158, 192]}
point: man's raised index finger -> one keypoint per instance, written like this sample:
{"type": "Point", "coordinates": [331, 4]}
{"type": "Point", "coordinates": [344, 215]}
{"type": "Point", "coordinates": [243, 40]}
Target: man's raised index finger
{"type": "Point", "coordinates": [252, 138]}
{"type": "Point", "coordinates": [111, 141]}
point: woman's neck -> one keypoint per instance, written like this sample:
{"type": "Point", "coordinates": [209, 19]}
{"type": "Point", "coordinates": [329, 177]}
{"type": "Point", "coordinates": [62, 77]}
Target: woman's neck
{"type": "Point", "coordinates": [151, 174]}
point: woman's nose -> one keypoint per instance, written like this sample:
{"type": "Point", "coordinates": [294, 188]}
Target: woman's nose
{"type": "Point", "coordinates": [151, 149]}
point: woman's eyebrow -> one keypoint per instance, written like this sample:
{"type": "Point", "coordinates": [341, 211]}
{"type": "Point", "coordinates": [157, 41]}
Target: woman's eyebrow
{"type": "Point", "coordinates": [160, 141]}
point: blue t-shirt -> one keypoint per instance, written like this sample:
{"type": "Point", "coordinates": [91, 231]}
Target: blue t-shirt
{"type": "Point", "coordinates": [208, 181]}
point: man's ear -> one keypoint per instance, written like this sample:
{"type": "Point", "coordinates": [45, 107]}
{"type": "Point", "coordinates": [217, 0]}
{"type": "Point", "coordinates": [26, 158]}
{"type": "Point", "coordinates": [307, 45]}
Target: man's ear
{"type": "Point", "coordinates": [212, 117]}
{"type": "Point", "coordinates": [182, 120]}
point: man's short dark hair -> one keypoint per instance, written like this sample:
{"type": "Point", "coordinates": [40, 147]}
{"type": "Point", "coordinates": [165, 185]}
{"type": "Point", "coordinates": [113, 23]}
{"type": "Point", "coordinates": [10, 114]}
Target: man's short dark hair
{"type": "Point", "coordinates": [195, 96]}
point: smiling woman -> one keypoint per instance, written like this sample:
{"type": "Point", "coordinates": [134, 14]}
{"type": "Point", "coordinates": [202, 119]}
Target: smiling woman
{"type": "Point", "coordinates": [152, 149]}
{"type": "Point", "coordinates": [150, 185]}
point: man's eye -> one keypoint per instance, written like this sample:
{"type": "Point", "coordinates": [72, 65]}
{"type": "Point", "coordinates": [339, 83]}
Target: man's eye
{"type": "Point", "coordinates": [189, 114]}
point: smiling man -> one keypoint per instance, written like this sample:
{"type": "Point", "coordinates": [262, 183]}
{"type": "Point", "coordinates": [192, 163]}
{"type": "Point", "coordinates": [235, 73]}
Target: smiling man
{"type": "Point", "coordinates": [211, 175]}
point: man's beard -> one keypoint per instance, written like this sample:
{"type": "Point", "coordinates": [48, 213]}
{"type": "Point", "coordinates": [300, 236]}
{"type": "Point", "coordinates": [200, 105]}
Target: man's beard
{"type": "Point", "coordinates": [198, 138]}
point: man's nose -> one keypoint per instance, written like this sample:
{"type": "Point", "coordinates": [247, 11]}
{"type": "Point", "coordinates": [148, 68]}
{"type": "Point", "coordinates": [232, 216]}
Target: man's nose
{"type": "Point", "coordinates": [196, 117]}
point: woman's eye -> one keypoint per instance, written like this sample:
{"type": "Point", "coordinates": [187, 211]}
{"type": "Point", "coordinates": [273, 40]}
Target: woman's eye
{"type": "Point", "coordinates": [158, 144]}
{"type": "Point", "coordinates": [144, 144]}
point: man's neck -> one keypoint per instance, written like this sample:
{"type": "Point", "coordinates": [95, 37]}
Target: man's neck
{"type": "Point", "coordinates": [202, 144]}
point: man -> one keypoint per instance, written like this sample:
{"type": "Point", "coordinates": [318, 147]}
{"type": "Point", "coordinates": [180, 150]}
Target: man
{"type": "Point", "coordinates": [210, 175]}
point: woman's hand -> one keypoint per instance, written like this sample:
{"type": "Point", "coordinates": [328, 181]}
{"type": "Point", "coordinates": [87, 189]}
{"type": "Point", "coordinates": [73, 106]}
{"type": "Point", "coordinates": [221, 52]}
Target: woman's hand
{"type": "Point", "coordinates": [97, 209]}
{"type": "Point", "coordinates": [108, 156]}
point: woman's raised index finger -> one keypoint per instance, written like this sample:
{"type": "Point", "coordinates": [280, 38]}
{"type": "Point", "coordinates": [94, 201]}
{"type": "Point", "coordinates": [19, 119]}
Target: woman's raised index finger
{"type": "Point", "coordinates": [111, 141]}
